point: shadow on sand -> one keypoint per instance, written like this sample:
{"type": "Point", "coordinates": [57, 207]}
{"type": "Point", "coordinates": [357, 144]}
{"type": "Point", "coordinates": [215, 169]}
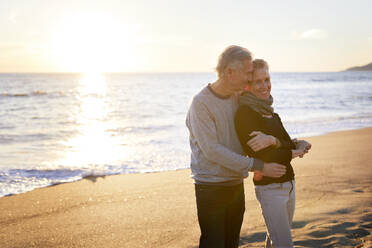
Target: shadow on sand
{"type": "Point", "coordinates": [336, 234]}
{"type": "Point", "coordinates": [327, 234]}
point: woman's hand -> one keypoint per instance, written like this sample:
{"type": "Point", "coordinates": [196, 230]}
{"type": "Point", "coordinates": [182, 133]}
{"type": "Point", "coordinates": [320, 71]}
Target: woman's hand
{"type": "Point", "coordinates": [303, 144]}
{"type": "Point", "coordinates": [298, 153]}
{"type": "Point", "coordinates": [260, 141]}
{"type": "Point", "coordinates": [302, 147]}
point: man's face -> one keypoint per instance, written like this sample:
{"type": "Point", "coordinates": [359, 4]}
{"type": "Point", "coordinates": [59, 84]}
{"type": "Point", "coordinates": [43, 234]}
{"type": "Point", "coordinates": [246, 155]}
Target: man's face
{"type": "Point", "coordinates": [240, 77]}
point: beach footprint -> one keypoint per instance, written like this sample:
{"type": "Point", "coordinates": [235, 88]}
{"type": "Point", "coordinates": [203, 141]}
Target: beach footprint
{"type": "Point", "coordinates": [335, 233]}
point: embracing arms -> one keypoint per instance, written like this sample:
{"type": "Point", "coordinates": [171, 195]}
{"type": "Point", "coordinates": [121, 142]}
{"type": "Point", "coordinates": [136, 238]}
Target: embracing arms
{"type": "Point", "coordinates": [259, 140]}
{"type": "Point", "coordinates": [201, 124]}
{"type": "Point", "coordinates": [250, 129]}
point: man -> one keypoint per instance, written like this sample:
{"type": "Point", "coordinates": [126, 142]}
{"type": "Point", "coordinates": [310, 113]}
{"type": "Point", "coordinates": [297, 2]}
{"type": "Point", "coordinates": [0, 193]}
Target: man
{"type": "Point", "coordinates": [218, 166]}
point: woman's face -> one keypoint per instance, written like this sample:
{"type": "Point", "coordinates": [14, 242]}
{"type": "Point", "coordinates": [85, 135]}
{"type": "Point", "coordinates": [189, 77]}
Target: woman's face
{"type": "Point", "coordinates": [261, 85]}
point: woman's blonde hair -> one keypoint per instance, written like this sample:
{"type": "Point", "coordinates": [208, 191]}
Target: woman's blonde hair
{"type": "Point", "coordinates": [260, 64]}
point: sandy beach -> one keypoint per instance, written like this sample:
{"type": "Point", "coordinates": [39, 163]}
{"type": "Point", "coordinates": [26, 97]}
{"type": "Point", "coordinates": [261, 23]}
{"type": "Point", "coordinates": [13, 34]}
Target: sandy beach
{"type": "Point", "coordinates": [334, 205]}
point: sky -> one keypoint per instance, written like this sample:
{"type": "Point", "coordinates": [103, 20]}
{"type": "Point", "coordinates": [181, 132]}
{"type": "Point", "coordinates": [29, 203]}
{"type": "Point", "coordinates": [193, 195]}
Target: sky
{"type": "Point", "coordinates": [182, 36]}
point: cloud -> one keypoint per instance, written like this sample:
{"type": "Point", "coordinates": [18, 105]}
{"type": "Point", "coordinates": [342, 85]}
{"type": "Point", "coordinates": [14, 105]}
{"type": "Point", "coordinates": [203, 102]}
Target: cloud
{"type": "Point", "coordinates": [311, 34]}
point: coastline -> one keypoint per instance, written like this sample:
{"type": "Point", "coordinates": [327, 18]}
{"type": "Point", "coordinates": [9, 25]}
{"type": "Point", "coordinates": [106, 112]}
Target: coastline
{"type": "Point", "coordinates": [333, 186]}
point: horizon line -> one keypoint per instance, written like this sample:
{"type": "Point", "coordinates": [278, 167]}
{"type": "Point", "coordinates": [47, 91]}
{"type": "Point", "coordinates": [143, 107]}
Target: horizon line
{"type": "Point", "coordinates": [156, 72]}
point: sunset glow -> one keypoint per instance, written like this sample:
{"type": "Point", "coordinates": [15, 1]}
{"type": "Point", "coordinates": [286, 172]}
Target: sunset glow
{"type": "Point", "coordinates": [181, 36]}
{"type": "Point", "coordinates": [92, 43]}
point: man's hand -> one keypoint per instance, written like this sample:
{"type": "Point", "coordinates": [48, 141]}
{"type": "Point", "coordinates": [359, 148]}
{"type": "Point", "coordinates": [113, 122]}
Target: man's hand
{"type": "Point", "coordinates": [273, 170]}
{"type": "Point", "coordinates": [260, 141]}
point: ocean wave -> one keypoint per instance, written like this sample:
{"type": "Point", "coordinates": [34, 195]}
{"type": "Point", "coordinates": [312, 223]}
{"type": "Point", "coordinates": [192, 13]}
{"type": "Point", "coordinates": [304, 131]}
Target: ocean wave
{"type": "Point", "coordinates": [14, 95]}
{"type": "Point", "coordinates": [329, 118]}
{"type": "Point", "coordinates": [323, 80]}
{"type": "Point", "coordinates": [135, 129]}
{"type": "Point", "coordinates": [21, 138]}
{"type": "Point", "coordinates": [3, 126]}
{"type": "Point", "coordinates": [16, 181]}
{"type": "Point", "coordinates": [34, 93]}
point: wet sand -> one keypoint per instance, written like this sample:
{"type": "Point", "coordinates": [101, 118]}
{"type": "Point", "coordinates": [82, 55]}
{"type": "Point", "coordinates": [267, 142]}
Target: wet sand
{"type": "Point", "coordinates": [334, 205]}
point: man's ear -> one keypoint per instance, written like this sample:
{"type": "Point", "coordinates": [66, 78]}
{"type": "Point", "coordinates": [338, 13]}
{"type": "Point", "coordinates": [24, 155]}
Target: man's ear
{"type": "Point", "coordinates": [228, 72]}
{"type": "Point", "coordinates": [246, 88]}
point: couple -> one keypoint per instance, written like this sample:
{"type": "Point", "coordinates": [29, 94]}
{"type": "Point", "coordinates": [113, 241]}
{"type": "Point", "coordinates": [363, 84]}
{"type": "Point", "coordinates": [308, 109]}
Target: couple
{"type": "Point", "coordinates": [234, 129]}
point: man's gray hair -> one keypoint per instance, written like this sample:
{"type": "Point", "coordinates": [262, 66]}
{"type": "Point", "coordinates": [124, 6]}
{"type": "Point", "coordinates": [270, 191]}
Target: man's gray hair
{"type": "Point", "coordinates": [232, 57]}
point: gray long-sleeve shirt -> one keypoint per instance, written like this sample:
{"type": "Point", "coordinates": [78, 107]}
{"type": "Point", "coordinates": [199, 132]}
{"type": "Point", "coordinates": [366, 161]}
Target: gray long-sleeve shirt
{"type": "Point", "coordinates": [216, 153]}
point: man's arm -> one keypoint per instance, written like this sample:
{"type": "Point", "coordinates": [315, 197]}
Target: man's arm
{"type": "Point", "coordinates": [259, 140]}
{"type": "Point", "coordinates": [202, 124]}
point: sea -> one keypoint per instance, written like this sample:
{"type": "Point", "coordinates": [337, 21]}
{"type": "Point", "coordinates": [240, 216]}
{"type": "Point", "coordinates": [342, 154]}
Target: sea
{"type": "Point", "coordinates": [57, 128]}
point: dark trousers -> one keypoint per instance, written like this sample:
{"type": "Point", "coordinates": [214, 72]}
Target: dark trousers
{"type": "Point", "coordinates": [220, 214]}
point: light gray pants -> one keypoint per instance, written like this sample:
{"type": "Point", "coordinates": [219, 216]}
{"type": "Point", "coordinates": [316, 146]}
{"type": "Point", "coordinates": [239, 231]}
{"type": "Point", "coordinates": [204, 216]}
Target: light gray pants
{"type": "Point", "coordinates": [277, 202]}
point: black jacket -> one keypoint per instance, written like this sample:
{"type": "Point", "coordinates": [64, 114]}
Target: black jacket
{"type": "Point", "coordinates": [246, 121]}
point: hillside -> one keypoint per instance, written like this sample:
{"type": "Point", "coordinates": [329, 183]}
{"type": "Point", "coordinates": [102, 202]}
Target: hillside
{"type": "Point", "coordinates": [361, 68]}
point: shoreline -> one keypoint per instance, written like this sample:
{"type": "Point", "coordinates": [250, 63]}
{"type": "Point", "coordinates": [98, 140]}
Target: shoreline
{"type": "Point", "coordinates": [334, 207]}
{"type": "Point", "coordinates": [94, 177]}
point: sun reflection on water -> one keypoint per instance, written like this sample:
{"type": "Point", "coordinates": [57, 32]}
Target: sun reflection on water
{"type": "Point", "coordinates": [93, 145]}
{"type": "Point", "coordinates": [93, 83]}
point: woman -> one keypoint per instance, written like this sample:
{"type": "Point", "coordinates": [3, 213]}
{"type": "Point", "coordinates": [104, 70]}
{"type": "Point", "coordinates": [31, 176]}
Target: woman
{"type": "Point", "coordinates": [256, 117]}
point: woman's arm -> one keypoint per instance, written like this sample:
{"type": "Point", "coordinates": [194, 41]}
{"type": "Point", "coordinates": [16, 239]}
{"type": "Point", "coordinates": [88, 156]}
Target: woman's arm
{"type": "Point", "coordinates": [247, 121]}
{"type": "Point", "coordinates": [299, 147]}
